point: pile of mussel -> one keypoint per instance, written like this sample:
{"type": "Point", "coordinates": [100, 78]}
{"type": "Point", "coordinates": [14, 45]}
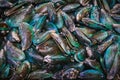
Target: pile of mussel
{"type": "Point", "coordinates": [59, 39]}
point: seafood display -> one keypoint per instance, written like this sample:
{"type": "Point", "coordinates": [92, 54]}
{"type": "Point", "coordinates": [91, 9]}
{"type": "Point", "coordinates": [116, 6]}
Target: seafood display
{"type": "Point", "coordinates": [59, 39]}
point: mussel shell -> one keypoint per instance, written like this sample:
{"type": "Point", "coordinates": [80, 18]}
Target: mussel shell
{"type": "Point", "coordinates": [91, 74]}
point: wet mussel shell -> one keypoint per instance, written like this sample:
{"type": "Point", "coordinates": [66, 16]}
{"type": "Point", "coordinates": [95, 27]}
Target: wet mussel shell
{"type": "Point", "coordinates": [59, 39]}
